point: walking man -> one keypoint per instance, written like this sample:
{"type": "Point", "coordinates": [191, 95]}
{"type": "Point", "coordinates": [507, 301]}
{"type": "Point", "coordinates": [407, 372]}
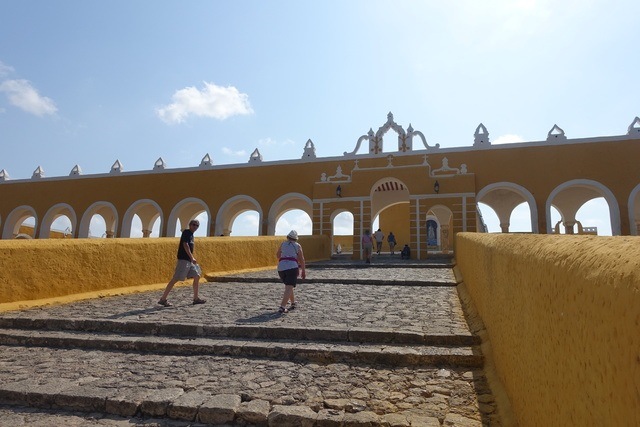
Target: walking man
{"type": "Point", "coordinates": [187, 267]}
{"type": "Point", "coordinates": [379, 236]}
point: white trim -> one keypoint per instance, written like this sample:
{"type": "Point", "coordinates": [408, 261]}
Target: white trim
{"type": "Point", "coordinates": [441, 150]}
{"type": "Point", "coordinates": [417, 229]}
{"type": "Point", "coordinates": [464, 214]}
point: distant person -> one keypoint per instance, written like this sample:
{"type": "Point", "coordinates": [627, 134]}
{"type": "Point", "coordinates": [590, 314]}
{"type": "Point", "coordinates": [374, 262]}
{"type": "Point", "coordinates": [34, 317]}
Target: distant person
{"type": "Point", "coordinates": [391, 239]}
{"type": "Point", "coordinates": [406, 252]}
{"type": "Point", "coordinates": [187, 267]}
{"type": "Point", "coordinates": [379, 236]}
{"type": "Point", "coordinates": [290, 265]}
{"type": "Point", "coordinates": [367, 246]}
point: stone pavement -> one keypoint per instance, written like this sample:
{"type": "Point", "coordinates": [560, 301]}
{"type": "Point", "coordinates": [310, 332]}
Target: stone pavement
{"type": "Point", "coordinates": [382, 345]}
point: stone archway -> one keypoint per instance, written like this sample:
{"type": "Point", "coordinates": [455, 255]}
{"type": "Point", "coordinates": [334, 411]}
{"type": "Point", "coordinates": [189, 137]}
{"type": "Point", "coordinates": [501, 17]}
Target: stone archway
{"type": "Point", "coordinates": [230, 210]}
{"type": "Point", "coordinates": [15, 219]}
{"type": "Point", "coordinates": [148, 211]}
{"type": "Point", "coordinates": [185, 211]}
{"type": "Point", "coordinates": [61, 209]}
{"type": "Point", "coordinates": [284, 204]}
{"type": "Point", "coordinates": [568, 197]}
{"type": "Point", "coordinates": [108, 213]}
{"type": "Point", "coordinates": [503, 198]}
{"type": "Point", "coordinates": [391, 204]}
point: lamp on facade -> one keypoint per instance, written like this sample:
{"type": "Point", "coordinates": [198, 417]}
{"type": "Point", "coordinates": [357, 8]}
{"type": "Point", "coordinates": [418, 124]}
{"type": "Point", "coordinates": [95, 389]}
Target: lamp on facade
{"type": "Point", "coordinates": [436, 187]}
{"type": "Point", "coordinates": [339, 191]}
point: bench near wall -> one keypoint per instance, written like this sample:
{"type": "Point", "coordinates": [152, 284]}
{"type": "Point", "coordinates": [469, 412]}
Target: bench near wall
{"type": "Point", "coordinates": [78, 268]}
{"type": "Point", "coordinates": [562, 316]}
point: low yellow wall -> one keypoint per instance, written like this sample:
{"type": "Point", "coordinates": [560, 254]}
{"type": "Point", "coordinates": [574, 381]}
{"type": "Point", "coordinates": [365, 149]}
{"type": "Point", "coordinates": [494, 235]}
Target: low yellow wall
{"type": "Point", "coordinates": [562, 314]}
{"type": "Point", "coordinates": [48, 268]}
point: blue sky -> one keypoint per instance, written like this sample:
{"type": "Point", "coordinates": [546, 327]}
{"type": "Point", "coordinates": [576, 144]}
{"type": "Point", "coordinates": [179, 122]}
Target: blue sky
{"type": "Point", "coordinates": [87, 83]}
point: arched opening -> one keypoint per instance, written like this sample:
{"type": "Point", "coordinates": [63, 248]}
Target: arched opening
{"type": "Point", "coordinates": [284, 206]}
{"type": "Point", "coordinates": [142, 219]}
{"type": "Point", "coordinates": [99, 220]}
{"type": "Point", "coordinates": [138, 230]}
{"type": "Point", "coordinates": [59, 222]}
{"type": "Point", "coordinates": [239, 216]}
{"type": "Point", "coordinates": [61, 228]}
{"type": "Point", "coordinates": [21, 222]}
{"type": "Point", "coordinates": [591, 218]}
{"type": "Point", "coordinates": [342, 232]}
{"type": "Point", "coordinates": [97, 227]}
{"type": "Point", "coordinates": [246, 223]}
{"type": "Point", "coordinates": [510, 206]}
{"type": "Point", "coordinates": [185, 211]}
{"type": "Point", "coordinates": [390, 211]}
{"type": "Point", "coordinates": [294, 219]}
{"type": "Point", "coordinates": [585, 207]}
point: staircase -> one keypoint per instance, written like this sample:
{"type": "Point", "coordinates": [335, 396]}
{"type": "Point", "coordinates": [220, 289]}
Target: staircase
{"type": "Point", "coordinates": [385, 344]}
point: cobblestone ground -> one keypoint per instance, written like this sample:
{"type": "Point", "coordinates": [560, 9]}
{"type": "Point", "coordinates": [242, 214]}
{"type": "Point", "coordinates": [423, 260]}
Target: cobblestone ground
{"type": "Point", "coordinates": [432, 310]}
{"type": "Point", "coordinates": [443, 394]}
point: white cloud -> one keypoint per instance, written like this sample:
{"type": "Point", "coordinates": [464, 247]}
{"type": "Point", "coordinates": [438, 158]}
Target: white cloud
{"type": "Point", "coordinates": [212, 101]}
{"type": "Point", "coordinates": [230, 152]}
{"type": "Point", "coordinates": [24, 96]}
{"type": "Point", "coordinates": [508, 139]}
{"type": "Point", "coordinates": [5, 69]}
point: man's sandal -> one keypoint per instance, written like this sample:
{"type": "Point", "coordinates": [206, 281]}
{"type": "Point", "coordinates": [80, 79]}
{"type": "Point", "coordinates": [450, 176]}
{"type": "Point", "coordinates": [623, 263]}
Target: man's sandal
{"type": "Point", "coordinates": [165, 303]}
{"type": "Point", "coordinates": [282, 310]}
{"type": "Point", "coordinates": [199, 301]}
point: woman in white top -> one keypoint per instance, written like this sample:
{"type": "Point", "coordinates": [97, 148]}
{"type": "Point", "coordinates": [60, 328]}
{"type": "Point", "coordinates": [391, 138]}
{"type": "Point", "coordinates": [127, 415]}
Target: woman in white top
{"type": "Point", "coordinates": [290, 266]}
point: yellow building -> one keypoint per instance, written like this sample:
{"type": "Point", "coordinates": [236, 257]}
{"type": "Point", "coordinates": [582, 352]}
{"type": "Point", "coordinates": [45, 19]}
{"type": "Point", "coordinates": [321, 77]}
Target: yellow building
{"type": "Point", "coordinates": [423, 193]}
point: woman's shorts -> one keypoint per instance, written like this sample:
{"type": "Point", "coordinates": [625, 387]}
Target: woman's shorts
{"type": "Point", "coordinates": [186, 270]}
{"type": "Point", "coordinates": [368, 246]}
{"type": "Point", "coordinates": [289, 277]}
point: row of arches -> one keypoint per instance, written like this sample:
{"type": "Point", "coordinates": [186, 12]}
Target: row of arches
{"type": "Point", "coordinates": [145, 218]}
{"type": "Point", "coordinates": [561, 206]}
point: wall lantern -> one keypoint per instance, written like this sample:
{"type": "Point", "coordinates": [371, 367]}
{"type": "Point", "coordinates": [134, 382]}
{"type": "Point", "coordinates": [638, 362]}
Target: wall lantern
{"type": "Point", "coordinates": [339, 191]}
{"type": "Point", "coordinates": [436, 187]}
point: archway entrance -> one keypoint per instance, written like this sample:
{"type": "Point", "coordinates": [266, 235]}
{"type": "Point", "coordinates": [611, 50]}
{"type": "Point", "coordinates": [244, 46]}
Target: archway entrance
{"type": "Point", "coordinates": [390, 205]}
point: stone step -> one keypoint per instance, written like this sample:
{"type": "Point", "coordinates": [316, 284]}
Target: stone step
{"type": "Point", "coordinates": [299, 351]}
{"type": "Point", "coordinates": [234, 390]}
{"type": "Point", "coordinates": [248, 331]}
{"type": "Point", "coordinates": [341, 281]}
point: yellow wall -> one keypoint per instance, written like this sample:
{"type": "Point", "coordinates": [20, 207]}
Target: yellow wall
{"type": "Point", "coordinates": [396, 219]}
{"type": "Point", "coordinates": [346, 242]}
{"type": "Point", "coordinates": [47, 268]}
{"type": "Point", "coordinates": [562, 314]}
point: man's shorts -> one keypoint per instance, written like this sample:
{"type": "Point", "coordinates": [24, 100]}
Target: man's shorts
{"type": "Point", "coordinates": [186, 270]}
{"type": "Point", "coordinates": [289, 277]}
